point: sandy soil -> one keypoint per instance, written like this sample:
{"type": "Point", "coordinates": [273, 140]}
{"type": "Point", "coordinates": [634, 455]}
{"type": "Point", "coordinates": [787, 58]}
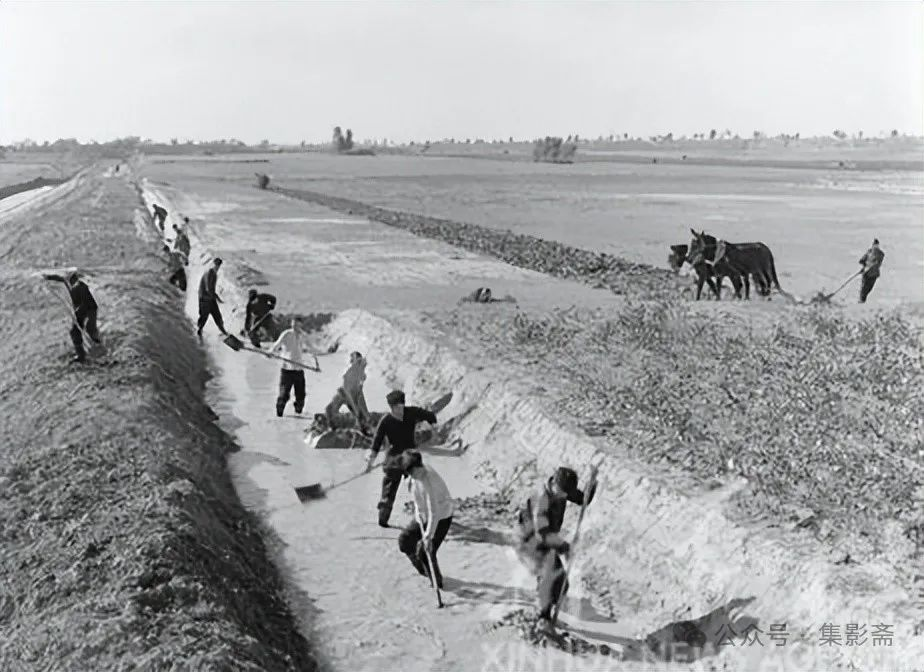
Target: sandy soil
{"type": "Point", "coordinates": [123, 543]}
{"type": "Point", "coordinates": [278, 240]}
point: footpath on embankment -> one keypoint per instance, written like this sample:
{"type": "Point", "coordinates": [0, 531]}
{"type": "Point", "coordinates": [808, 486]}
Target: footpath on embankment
{"type": "Point", "coordinates": [122, 542]}
{"type": "Point", "coordinates": [660, 550]}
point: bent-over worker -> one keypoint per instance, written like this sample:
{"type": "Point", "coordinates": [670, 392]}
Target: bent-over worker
{"type": "Point", "coordinates": [350, 393]}
{"type": "Point", "coordinates": [259, 307]}
{"type": "Point", "coordinates": [160, 216]}
{"type": "Point", "coordinates": [539, 542]}
{"type": "Point", "coordinates": [85, 311]}
{"type": "Point", "coordinates": [435, 506]}
{"type": "Point", "coordinates": [181, 244]}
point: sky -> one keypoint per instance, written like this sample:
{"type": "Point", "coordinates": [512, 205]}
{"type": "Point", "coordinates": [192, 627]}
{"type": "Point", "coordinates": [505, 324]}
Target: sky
{"type": "Point", "coordinates": [291, 71]}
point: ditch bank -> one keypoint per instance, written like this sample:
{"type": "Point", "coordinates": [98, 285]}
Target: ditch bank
{"type": "Point", "coordinates": [655, 551]}
{"type": "Point", "coordinates": [598, 269]}
{"type": "Point", "coordinates": [659, 551]}
{"type": "Point", "coordinates": [125, 545]}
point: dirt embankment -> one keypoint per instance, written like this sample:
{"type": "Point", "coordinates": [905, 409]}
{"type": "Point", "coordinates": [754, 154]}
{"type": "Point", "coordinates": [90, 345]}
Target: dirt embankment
{"type": "Point", "coordinates": [536, 254]}
{"type": "Point", "coordinates": [122, 538]}
{"type": "Point", "coordinates": [823, 415]}
{"type": "Point", "coordinates": [38, 182]}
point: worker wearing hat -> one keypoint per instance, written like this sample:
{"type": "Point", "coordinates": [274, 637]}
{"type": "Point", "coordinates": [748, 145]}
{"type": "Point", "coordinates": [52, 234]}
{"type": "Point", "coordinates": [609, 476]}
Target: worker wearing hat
{"type": "Point", "coordinates": [209, 299]}
{"type": "Point", "coordinates": [435, 506]}
{"type": "Point", "coordinates": [85, 310]}
{"type": "Point", "coordinates": [398, 427]}
{"type": "Point", "coordinates": [871, 261]}
{"type": "Point", "coordinates": [539, 542]}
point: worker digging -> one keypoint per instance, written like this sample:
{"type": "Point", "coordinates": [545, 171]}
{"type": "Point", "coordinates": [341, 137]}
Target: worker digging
{"type": "Point", "coordinates": [84, 312]}
{"type": "Point", "coordinates": [258, 315]}
{"type": "Point", "coordinates": [398, 427]}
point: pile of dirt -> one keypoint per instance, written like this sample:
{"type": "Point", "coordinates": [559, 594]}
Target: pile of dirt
{"type": "Point", "coordinates": [525, 623]}
{"type": "Point", "coordinates": [598, 269]}
{"type": "Point", "coordinates": [120, 529]}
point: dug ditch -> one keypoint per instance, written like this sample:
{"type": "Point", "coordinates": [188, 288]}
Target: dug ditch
{"type": "Point", "coordinates": [657, 554]}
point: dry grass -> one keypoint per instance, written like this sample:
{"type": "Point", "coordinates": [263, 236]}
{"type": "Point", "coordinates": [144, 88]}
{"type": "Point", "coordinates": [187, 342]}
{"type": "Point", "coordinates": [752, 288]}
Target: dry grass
{"type": "Point", "coordinates": [122, 540]}
{"type": "Point", "coordinates": [823, 415]}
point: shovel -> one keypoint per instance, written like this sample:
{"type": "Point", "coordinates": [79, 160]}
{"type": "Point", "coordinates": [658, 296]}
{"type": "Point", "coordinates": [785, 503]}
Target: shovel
{"type": "Point", "coordinates": [316, 490]}
{"type": "Point", "coordinates": [237, 344]}
{"type": "Point", "coordinates": [577, 535]}
{"type": "Point", "coordinates": [257, 325]}
{"type": "Point", "coordinates": [439, 598]}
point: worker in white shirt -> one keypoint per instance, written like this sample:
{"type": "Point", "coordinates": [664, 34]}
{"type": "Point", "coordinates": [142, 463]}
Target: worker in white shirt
{"type": "Point", "coordinates": [291, 342]}
{"type": "Point", "coordinates": [435, 506]}
{"type": "Point", "coordinates": [350, 393]}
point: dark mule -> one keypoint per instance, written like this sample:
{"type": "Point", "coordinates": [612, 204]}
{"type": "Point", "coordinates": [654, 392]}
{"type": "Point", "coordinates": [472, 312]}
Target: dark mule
{"type": "Point", "coordinates": [699, 255]}
{"type": "Point", "coordinates": [703, 249]}
{"type": "Point", "coordinates": [755, 259]}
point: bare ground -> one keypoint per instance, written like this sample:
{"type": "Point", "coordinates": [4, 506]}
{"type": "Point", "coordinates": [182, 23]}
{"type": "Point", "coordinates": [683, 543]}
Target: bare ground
{"type": "Point", "coordinates": [124, 545]}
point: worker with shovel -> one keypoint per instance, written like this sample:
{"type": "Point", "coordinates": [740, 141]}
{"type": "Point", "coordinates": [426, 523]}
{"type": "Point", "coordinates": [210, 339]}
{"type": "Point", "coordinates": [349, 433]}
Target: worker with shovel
{"type": "Point", "coordinates": [259, 307]}
{"type": "Point", "coordinates": [433, 507]}
{"type": "Point", "coordinates": [398, 427]}
{"type": "Point", "coordinates": [84, 315]}
{"type": "Point", "coordinates": [539, 542]}
{"type": "Point", "coordinates": [871, 261]}
{"type": "Point", "coordinates": [209, 299]}
{"type": "Point", "coordinates": [181, 244]}
{"type": "Point", "coordinates": [292, 374]}
{"type": "Point", "coordinates": [351, 394]}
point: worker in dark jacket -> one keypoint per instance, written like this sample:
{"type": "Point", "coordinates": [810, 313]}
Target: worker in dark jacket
{"type": "Point", "coordinates": [209, 299]}
{"type": "Point", "coordinates": [398, 427]}
{"type": "Point", "coordinates": [871, 261]}
{"type": "Point", "coordinates": [85, 310]}
{"type": "Point", "coordinates": [539, 542]}
{"type": "Point", "coordinates": [259, 307]}
{"type": "Point", "coordinates": [160, 216]}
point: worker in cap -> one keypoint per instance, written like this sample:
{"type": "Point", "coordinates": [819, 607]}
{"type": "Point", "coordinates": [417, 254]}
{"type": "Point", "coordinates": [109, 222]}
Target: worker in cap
{"type": "Point", "coordinates": [539, 543]}
{"type": "Point", "coordinates": [85, 311]}
{"type": "Point", "coordinates": [398, 427]}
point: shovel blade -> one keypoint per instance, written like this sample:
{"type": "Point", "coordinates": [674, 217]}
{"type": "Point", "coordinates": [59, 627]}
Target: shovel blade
{"type": "Point", "coordinates": [309, 492]}
{"type": "Point", "coordinates": [233, 342]}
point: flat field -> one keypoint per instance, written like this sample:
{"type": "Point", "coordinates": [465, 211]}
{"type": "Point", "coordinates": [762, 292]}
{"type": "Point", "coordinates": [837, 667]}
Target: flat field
{"type": "Point", "coordinates": [817, 221]}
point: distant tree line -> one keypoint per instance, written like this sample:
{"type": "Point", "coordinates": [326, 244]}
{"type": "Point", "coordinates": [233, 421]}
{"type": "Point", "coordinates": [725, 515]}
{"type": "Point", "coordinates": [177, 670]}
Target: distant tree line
{"type": "Point", "coordinates": [555, 149]}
